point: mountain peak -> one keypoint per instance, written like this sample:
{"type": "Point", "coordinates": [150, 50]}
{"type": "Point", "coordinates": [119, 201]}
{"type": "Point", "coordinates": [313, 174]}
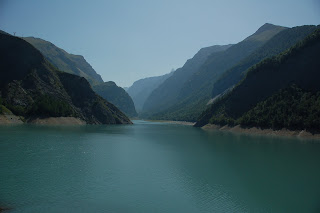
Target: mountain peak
{"type": "Point", "coordinates": [111, 83]}
{"type": "Point", "coordinates": [266, 27]}
{"type": "Point", "coordinates": [265, 32]}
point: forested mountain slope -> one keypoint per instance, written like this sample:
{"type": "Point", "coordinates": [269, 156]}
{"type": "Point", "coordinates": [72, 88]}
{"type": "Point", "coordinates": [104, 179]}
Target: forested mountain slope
{"type": "Point", "coordinates": [279, 92]}
{"type": "Point", "coordinates": [117, 96]}
{"type": "Point", "coordinates": [32, 87]}
{"type": "Point", "coordinates": [196, 91]}
{"type": "Point", "coordinates": [280, 42]}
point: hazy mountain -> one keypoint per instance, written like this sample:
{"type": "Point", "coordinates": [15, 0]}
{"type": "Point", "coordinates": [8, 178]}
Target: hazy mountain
{"type": "Point", "coordinates": [141, 89]}
{"type": "Point", "coordinates": [166, 94]}
{"type": "Point", "coordinates": [32, 87]}
{"type": "Point", "coordinates": [74, 64]}
{"type": "Point", "coordinates": [117, 96]}
{"type": "Point", "coordinates": [279, 92]}
{"type": "Point", "coordinates": [280, 42]}
{"type": "Point", "coordinates": [196, 91]}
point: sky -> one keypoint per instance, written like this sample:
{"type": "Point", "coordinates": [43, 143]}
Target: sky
{"type": "Point", "coordinates": [126, 40]}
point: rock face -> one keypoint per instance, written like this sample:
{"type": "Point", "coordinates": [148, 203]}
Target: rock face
{"type": "Point", "coordinates": [117, 96]}
{"type": "Point", "coordinates": [73, 64]}
{"type": "Point", "coordinates": [32, 87]}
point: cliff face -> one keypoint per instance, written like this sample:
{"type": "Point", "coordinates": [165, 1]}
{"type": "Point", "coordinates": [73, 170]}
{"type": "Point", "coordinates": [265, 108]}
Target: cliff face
{"type": "Point", "coordinates": [32, 87]}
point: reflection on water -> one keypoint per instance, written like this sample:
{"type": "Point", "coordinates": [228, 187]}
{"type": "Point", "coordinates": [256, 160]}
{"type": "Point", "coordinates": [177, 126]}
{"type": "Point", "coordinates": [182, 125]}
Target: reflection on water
{"type": "Point", "coordinates": [155, 167]}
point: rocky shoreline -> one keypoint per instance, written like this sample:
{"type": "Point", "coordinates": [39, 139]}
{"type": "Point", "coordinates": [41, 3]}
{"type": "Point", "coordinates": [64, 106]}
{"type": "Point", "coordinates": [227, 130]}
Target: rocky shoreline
{"type": "Point", "coordinates": [258, 131]}
{"type": "Point", "coordinates": [10, 119]}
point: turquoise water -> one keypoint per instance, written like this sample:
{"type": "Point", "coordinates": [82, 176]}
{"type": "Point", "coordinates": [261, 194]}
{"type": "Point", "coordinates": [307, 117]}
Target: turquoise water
{"type": "Point", "coordinates": [155, 167]}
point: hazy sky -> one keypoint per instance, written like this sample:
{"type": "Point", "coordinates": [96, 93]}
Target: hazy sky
{"type": "Point", "coordinates": [125, 40]}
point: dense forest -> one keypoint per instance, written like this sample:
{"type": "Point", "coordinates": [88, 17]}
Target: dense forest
{"type": "Point", "coordinates": [291, 108]}
{"type": "Point", "coordinates": [277, 44]}
{"type": "Point", "coordinates": [262, 98]}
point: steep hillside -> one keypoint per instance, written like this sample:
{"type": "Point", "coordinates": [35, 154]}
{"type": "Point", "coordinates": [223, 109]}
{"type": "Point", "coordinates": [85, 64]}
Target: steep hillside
{"type": "Point", "coordinates": [32, 87]}
{"type": "Point", "coordinates": [196, 91]}
{"type": "Point", "coordinates": [282, 91]}
{"type": "Point", "coordinates": [74, 64]}
{"type": "Point", "coordinates": [280, 42]}
{"type": "Point", "coordinates": [165, 95]}
{"type": "Point", "coordinates": [141, 89]}
{"type": "Point", "coordinates": [117, 96]}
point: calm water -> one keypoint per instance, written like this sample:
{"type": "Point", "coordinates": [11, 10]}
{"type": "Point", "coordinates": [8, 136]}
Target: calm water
{"type": "Point", "coordinates": [155, 167]}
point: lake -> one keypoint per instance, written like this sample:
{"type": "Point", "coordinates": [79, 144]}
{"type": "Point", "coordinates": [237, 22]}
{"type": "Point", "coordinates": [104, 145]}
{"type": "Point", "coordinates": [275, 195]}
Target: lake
{"type": "Point", "coordinates": [154, 167]}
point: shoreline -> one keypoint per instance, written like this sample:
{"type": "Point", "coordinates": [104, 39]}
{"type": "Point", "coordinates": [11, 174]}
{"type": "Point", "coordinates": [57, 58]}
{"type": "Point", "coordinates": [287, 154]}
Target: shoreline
{"type": "Point", "coordinates": [187, 123]}
{"type": "Point", "coordinates": [7, 119]}
{"type": "Point", "coordinates": [57, 121]}
{"type": "Point", "coordinates": [268, 132]}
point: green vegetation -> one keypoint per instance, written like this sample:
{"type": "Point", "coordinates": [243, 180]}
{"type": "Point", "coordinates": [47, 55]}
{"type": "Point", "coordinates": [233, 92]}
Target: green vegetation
{"type": "Point", "coordinates": [17, 110]}
{"type": "Point", "coordinates": [52, 107]}
{"type": "Point", "coordinates": [291, 108]}
{"type": "Point", "coordinates": [279, 92]}
{"type": "Point", "coordinates": [44, 105]}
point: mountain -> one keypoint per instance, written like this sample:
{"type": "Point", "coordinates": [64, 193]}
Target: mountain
{"type": "Point", "coordinates": [280, 92]}
{"type": "Point", "coordinates": [167, 92]}
{"type": "Point", "coordinates": [30, 86]}
{"type": "Point", "coordinates": [117, 96]}
{"type": "Point", "coordinates": [141, 89]}
{"type": "Point", "coordinates": [280, 42]}
{"type": "Point", "coordinates": [73, 64]}
{"type": "Point", "coordinates": [195, 93]}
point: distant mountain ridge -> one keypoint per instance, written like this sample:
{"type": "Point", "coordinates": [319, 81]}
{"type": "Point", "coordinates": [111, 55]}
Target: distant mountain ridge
{"type": "Point", "coordinates": [141, 89]}
{"type": "Point", "coordinates": [167, 92]}
{"type": "Point", "coordinates": [195, 93]}
{"type": "Point", "coordinates": [73, 64]}
{"type": "Point", "coordinates": [32, 87]}
{"type": "Point", "coordinates": [117, 96]}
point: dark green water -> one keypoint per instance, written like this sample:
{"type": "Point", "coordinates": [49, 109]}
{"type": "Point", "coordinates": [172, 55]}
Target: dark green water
{"type": "Point", "coordinates": [155, 167]}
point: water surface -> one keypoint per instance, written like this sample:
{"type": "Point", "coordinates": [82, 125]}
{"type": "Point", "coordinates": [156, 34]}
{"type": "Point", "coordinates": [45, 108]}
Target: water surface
{"type": "Point", "coordinates": [155, 167]}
